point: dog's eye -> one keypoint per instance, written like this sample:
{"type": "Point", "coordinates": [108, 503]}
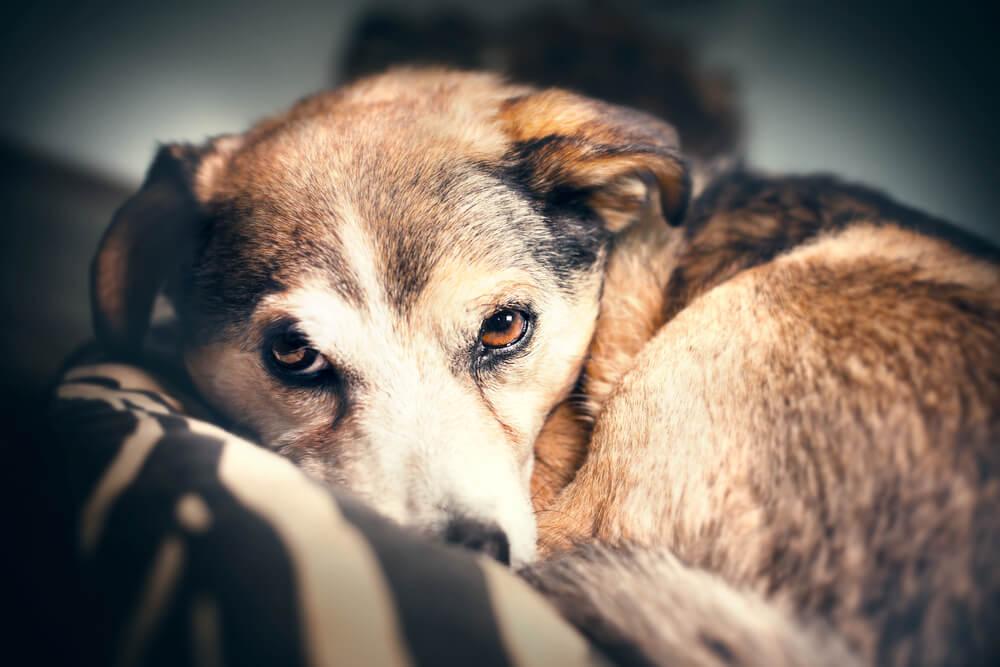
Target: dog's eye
{"type": "Point", "coordinates": [503, 328]}
{"type": "Point", "coordinates": [292, 354]}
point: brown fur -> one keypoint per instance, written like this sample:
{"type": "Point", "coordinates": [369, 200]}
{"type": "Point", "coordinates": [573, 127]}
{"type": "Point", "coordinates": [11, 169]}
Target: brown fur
{"type": "Point", "coordinates": [385, 222]}
{"type": "Point", "coordinates": [792, 388]}
{"type": "Point", "coordinates": [817, 421]}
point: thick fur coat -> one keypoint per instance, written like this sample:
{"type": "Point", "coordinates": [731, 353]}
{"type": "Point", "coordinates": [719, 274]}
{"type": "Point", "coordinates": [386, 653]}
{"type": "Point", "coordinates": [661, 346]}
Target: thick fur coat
{"type": "Point", "coordinates": [771, 413]}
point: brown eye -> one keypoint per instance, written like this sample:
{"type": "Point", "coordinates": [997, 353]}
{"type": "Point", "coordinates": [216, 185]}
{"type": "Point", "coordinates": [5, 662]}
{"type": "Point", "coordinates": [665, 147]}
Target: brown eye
{"type": "Point", "coordinates": [503, 328]}
{"type": "Point", "coordinates": [292, 354]}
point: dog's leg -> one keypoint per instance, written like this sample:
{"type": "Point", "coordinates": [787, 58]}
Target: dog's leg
{"type": "Point", "coordinates": [631, 311]}
{"type": "Point", "coordinates": [559, 451]}
{"type": "Point", "coordinates": [652, 466]}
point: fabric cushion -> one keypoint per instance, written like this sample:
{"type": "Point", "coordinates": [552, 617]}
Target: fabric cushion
{"type": "Point", "coordinates": [197, 546]}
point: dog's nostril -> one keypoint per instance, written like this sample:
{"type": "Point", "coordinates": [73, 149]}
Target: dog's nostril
{"type": "Point", "coordinates": [485, 538]}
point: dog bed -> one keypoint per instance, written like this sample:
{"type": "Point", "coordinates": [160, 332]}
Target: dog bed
{"type": "Point", "coordinates": [196, 546]}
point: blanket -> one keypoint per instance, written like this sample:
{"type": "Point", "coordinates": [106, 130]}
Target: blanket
{"type": "Point", "coordinates": [196, 546]}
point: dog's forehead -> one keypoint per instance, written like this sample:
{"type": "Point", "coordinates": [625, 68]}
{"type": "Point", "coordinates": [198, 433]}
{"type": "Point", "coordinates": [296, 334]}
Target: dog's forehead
{"type": "Point", "coordinates": [363, 199]}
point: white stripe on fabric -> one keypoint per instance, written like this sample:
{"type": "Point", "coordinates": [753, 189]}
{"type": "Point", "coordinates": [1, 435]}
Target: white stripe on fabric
{"type": "Point", "coordinates": [206, 632]}
{"type": "Point", "coordinates": [533, 633]}
{"type": "Point", "coordinates": [347, 608]}
{"type": "Point", "coordinates": [193, 514]}
{"type": "Point", "coordinates": [123, 469]}
{"type": "Point", "coordinates": [159, 587]}
{"type": "Point", "coordinates": [113, 397]}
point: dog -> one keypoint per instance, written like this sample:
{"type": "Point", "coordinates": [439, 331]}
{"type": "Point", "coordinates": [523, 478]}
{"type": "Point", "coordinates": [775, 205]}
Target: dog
{"type": "Point", "coordinates": [769, 415]}
{"type": "Point", "coordinates": [814, 422]}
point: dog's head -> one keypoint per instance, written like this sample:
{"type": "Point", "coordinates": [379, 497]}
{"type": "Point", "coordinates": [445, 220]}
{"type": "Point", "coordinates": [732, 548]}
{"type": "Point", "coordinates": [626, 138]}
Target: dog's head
{"type": "Point", "coordinates": [395, 283]}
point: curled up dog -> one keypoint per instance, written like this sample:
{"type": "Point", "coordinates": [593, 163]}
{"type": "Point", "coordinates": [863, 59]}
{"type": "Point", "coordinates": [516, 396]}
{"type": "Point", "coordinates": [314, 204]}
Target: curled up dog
{"type": "Point", "coordinates": [769, 415]}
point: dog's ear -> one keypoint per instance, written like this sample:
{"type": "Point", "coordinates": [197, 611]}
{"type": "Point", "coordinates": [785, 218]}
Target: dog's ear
{"type": "Point", "coordinates": [148, 236]}
{"type": "Point", "coordinates": [613, 160]}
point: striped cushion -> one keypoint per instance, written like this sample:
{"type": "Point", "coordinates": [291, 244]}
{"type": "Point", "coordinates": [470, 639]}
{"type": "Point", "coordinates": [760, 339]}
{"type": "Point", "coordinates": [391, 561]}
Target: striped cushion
{"type": "Point", "coordinates": [198, 547]}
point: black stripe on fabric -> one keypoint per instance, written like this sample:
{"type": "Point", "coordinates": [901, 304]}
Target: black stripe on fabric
{"type": "Point", "coordinates": [83, 437]}
{"type": "Point", "coordinates": [132, 405]}
{"type": "Point", "coordinates": [100, 380]}
{"type": "Point", "coordinates": [240, 562]}
{"type": "Point", "coordinates": [154, 396]}
{"type": "Point", "coordinates": [441, 594]}
{"type": "Point", "coordinates": [78, 441]}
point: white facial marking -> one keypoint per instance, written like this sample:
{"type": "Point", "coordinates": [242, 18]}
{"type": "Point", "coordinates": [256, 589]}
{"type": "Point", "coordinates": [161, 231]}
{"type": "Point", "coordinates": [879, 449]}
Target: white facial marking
{"type": "Point", "coordinates": [424, 447]}
{"type": "Point", "coordinates": [415, 426]}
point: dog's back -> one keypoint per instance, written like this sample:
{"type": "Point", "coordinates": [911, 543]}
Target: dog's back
{"type": "Point", "coordinates": [817, 427]}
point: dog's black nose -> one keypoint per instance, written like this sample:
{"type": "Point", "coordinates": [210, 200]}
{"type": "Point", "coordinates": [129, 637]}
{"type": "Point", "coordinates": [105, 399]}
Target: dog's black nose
{"type": "Point", "coordinates": [485, 538]}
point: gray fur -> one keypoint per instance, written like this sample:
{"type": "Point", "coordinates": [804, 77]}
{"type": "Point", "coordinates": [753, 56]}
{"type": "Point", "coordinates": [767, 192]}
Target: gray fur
{"type": "Point", "coordinates": [645, 607]}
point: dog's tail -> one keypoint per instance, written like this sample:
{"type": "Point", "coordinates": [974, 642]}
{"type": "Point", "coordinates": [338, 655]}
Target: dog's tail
{"type": "Point", "coordinates": [644, 607]}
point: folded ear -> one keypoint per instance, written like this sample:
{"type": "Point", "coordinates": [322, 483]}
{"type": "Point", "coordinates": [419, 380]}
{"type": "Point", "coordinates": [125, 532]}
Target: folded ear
{"type": "Point", "coordinates": [613, 160]}
{"type": "Point", "coordinates": [147, 237]}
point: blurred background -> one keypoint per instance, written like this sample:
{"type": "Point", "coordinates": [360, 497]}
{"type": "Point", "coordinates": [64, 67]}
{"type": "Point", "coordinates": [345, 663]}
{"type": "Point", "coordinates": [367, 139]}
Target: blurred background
{"type": "Point", "coordinates": [900, 96]}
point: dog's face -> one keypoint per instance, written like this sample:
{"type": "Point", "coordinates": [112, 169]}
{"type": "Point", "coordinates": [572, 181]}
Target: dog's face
{"type": "Point", "coordinates": [395, 283]}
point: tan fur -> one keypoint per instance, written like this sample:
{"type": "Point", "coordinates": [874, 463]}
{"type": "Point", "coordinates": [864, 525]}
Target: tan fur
{"type": "Point", "coordinates": [632, 309]}
{"type": "Point", "coordinates": [384, 223]}
{"type": "Point", "coordinates": [782, 403]}
{"type": "Point", "coordinates": [729, 441]}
